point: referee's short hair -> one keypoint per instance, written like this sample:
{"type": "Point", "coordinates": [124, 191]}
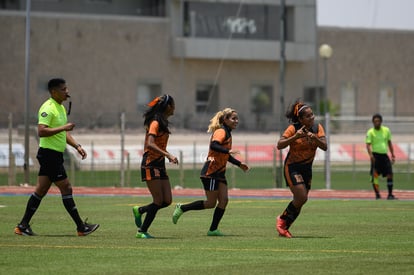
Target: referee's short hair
{"type": "Point", "coordinates": [377, 116]}
{"type": "Point", "coordinates": [55, 82]}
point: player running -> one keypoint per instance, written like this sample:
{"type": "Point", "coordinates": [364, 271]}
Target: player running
{"type": "Point", "coordinates": [213, 172]}
{"type": "Point", "coordinates": [303, 137]}
{"type": "Point", "coordinates": [153, 169]}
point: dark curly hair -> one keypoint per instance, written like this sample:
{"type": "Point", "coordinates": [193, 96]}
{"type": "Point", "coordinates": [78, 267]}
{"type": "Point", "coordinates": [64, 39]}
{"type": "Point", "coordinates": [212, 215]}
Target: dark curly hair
{"type": "Point", "coordinates": [156, 111]}
{"type": "Point", "coordinates": [295, 111]}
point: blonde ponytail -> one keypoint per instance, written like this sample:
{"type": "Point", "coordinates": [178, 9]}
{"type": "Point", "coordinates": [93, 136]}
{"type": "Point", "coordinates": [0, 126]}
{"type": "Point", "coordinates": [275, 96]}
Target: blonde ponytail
{"type": "Point", "coordinates": [217, 120]}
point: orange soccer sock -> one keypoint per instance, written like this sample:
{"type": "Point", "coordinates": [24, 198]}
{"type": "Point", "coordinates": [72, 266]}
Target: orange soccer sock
{"type": "Point", "coordinates": [375, 186]}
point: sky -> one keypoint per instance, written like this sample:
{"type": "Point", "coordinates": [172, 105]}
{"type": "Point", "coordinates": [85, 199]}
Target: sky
{"type": "Point", "coordinates": [371, 14]}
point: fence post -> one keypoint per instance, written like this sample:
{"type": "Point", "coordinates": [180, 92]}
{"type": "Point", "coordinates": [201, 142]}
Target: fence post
{"type": "Point", "coordinates": [353, 161]}
{"type": "Point", "coordinates": [128, 179]}
{"type": "Point", "coordinates": [328, 152]}
{"type": "Point", "coordinates": [12, 162]}
{"type": "Point", "coordinates": [92, 161]}
{"type": "Point", "coordinates": [122, 170]}
{"type": "Point", "coordinates": [194, 157]}
{"type": "Point", "coordinates": [12, 170]}
{"type": "Point", "coordinates": [409, 162]}
{"type": "Point", "coordinates": [181, 169]}
{"type": "Point", "coordinates": [274, 166]}
{"type": "Point", "coordinates": [72, 169]}
{"type": "Point", "coordinates": [92, 157]}
{"type": "Point", "coordinates": [233, 177]}
{"type": "Point", "coordinates": [246, 153]}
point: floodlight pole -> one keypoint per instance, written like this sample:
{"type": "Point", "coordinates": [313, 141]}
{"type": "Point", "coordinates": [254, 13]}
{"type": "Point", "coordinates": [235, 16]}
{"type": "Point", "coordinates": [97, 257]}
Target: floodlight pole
{"type": "Point", "coordinates": [325, 52]}
{"type": "Point", "coordinates": [282, 87]}
{"type": "Point", "coordinates": [27, 99]}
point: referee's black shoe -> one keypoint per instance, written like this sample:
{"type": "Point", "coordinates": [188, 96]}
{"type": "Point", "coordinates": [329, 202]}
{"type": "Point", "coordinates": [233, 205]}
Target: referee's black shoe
{"type": "Point", "coordinates": [391, 197]}
{"type": "Point", "coordinates": [23, 230]}
{"type": "Point", "coordinates": [87, 229]}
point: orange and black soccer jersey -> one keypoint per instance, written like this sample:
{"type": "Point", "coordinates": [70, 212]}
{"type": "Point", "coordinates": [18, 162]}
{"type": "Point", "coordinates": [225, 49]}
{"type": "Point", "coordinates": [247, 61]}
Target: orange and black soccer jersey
{"type": "Point", "coordinates": [215, 165]}
{"type": "Point", "coordinates": [301, 150]}
{"type": "Point", "coordinates": [161, 140]}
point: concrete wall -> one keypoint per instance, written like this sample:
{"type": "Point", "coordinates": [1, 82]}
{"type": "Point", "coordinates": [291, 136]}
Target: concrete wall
{"type": "Point", "coordinates": [370, 59]}
{"type": "Point", "coordinates": [104, 58]}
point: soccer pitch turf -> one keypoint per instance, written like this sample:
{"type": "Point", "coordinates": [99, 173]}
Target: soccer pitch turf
{"type": "Point", "coordinates": [330, 237]}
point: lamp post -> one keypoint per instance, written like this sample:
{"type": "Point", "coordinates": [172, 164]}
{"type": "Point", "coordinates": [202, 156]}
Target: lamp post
{"type": "Point", "coordinates": [282, 73]}
{"type": "Point", "coordinates": [325, 52]}
{"type": "Point", "coordinates": [27, 96]}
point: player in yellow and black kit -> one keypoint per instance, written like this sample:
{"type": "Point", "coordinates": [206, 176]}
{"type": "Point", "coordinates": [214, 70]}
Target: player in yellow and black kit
{"type": "Point", "coordinates": [214, 169]}
{"type": "Point", "coordinates": [53, 130]}
{"type": "Point", "coordinates": [378, 141]}
{"type": "Point", "coordinates": [303, 137]}
{"type": "Point", "coordinates": [153, 170]}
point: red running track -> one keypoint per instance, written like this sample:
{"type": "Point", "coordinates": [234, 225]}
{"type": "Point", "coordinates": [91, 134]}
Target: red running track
{"type": "Point", "coordinates": [254, 193]}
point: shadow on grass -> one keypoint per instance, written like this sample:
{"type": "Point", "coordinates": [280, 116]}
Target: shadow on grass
{"type": "Point", "coordinates": [309, 237]}
{"type": "Point", "coordinates": [58, 236]}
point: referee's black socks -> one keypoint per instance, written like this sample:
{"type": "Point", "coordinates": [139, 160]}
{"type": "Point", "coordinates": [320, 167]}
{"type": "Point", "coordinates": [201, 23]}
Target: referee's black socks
{"type": "Point", "coordinates": [290, 214]}
{"type": "Point", "coordinates": [70, 206]}
{"type": "Point", "coordinates": [32, 205]}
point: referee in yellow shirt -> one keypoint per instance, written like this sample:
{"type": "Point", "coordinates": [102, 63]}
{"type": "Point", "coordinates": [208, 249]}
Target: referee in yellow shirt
{"type": "Point", "coordinates": [378, 141]}
{"type": "Point", "coordinates": [53, 130]}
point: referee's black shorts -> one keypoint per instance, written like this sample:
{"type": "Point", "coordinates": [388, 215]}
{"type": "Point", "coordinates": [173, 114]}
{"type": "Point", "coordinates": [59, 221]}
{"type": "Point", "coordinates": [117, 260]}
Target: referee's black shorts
{"type": "Point", "coordinates": [51, 164]}
{"type": "Point", "coordinates": [382, 165]}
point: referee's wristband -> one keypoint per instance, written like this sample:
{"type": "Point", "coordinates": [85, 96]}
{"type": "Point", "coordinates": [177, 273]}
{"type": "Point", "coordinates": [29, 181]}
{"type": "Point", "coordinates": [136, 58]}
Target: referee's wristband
{"type": "Point", "coordinates": [77, 146]}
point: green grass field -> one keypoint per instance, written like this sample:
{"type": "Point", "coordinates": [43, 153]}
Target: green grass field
{"type": "Point", "coordinates": [331, 237]}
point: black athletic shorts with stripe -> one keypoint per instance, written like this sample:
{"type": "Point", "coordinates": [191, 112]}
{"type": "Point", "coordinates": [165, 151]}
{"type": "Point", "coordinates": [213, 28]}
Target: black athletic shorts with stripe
{"type": "Point", "coordinates": [212, 184]}
{"type": "Point", "coordinates": [51, 164]}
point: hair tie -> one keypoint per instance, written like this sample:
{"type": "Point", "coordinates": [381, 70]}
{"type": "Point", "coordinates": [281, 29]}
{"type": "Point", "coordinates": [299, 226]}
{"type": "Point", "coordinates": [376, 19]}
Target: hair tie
{"type": "Point", "coordinates": [165, 101]}
{"type": "Point", "coordinates": [295, 111]}
{"type": "Point", "coordinates": [153, 102]}
{"type": "Point", "coordinates": [301, 108]}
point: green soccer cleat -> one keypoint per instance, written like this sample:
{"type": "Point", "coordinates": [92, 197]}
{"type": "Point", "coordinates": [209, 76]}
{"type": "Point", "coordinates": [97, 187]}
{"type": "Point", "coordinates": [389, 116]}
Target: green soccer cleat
{"type": "Point", "coordinates": [215, 233]}
{"type": "Point", "coordinates": [137, 215]}
{"type": "Point", "coordinates": [177, 213]}
{"type": "Point", "coordinates": [143, 235]}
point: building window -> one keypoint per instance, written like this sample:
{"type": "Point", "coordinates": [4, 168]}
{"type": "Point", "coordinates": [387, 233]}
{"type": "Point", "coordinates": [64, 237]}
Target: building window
{"type": "Point", "coordinates": [206, 98]}
{"type": "Point", "coordinates": [314, 97]}
{"type": "Point", "coordinates": [386, 99]}
{"type": "Point", "coordinates": [99, 1]}
{"type": "Point", "coordinates": [261, 99]}
{"type": "Point", "coordinates": [151, 8]}
{"type": "Point", "coordinates": [348, 99]}
{"type": "Point", "coordinates": [145, 93]}
{"type": "Point", "coordinates": [238, 21]}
